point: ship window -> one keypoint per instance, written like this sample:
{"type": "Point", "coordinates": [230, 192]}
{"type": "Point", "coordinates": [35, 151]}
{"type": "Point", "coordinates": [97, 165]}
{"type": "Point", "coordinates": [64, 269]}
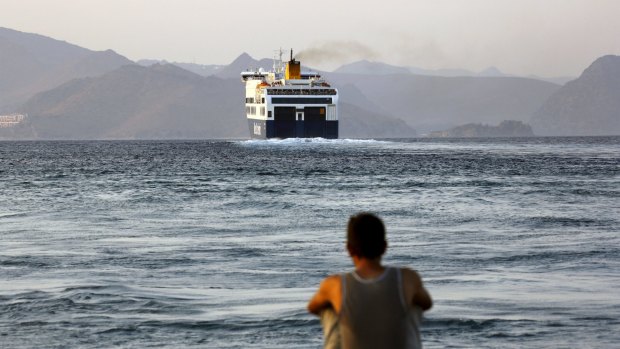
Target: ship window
{"type": "Point", "coordinates": [269, 114]}
{"type": "Point", "coordinates": [301, 100]}
{"type": "Point", "coordinates": [263, 99]}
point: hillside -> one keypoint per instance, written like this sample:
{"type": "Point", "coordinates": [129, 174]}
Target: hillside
{"type": "Point", "coordinates": [164, 102]}
{"type": "Point", "coordinates": [589, 105]}
{"type": "Point", "coordinates": [242, 63]}
{"type": "Point", "coordinates": [31, 63]}
{"type": "Point", "coordinates": [200, 69]}
{"type": "Point", "coordinates": [430, 103]}
{"type": "Point", "coordinates": [134, 102]}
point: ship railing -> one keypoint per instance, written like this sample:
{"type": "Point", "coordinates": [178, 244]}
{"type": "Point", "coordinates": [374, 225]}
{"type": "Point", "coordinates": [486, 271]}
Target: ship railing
{"type": "Point", "coordinates": [297, 91]}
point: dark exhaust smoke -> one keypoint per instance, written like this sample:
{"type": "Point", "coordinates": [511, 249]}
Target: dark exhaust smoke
{"type": "Point", "coordinates": [336, 52]}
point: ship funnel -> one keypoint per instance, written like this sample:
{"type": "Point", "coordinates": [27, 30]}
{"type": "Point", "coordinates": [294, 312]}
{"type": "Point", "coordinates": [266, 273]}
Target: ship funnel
{"type": "Point", "coordinates": [293, 69]}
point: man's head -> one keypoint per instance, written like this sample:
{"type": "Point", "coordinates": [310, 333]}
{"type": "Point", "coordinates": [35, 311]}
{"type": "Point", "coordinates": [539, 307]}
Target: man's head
{"type": "Point", "coordinates": [366, 236]}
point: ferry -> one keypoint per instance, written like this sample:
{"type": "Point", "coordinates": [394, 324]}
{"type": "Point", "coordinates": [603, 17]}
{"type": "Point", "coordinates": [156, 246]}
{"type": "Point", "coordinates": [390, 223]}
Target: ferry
{"type": "Point", "coordinates": [288, 103]}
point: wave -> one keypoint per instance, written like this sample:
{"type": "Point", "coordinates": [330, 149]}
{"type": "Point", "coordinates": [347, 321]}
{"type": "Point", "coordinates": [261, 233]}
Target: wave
{"type": "Point", "coordinates": [468, 324]}
{"type": "Point", "coordinates": [490, 328]}
{"type": "Point", "coordinates": [573, 257]}
{"type": "Point", "coordinates": [14, 215]}
{"type": "Point", "coordinates": [35, 262]}
{"type": "Point", "coordinates": [551, 221]}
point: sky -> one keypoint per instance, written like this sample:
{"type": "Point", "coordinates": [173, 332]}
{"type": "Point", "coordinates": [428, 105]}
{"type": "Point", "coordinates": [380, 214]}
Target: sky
{"type": "Point", "coordinates": [523, 37]}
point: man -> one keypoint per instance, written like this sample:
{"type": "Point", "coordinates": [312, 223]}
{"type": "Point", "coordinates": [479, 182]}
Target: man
{"type": "Point", "coordinates": [373, 304]}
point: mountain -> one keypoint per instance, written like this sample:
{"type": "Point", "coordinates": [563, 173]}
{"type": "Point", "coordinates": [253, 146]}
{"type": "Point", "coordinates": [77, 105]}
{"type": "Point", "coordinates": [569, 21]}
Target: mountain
{"type": "Point", "coordinates": [371, 68]}
{"type": "Point", "coordinates": [350, 94]}
{"type": "Point", "coordinates": [165, 102]}
{"type": "Point", "coordinates": [365, 67]}
{"type": "Point", "coordinates": [560, 80]}
{"type": "Point", "coordinates": [356, 122]}
{"type": "Point", "coordinates": [49, 52]}
{"type": "Point", "coordinates": [589, 105]}
{"type": "Point", "coordinates": [200, 69]}
{"type": "Point", "coordinates": [360, 118]}
{"type": "Point", "coordinates": [492, 72]}
{"type": "Point", "coordinates": [18, 68]}
{"type": "Point", "coordinates": [72, 92]}
{"type": "Point", "coordinates": [241, 63]}
{"type": "Point", "coordinates": [31, 63]}
{"type": "Point", "coordinates": [507, 128]}
{"type": "Point", "coordinates": [441, 72]}
{"type": "Point", "coordinates": [135, 102]}
{"type": "Point", "coordinates": [429, 103]}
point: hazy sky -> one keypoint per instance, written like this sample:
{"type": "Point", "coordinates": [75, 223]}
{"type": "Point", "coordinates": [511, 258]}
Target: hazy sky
{"type": "Point", "coordinates": [543, 37]}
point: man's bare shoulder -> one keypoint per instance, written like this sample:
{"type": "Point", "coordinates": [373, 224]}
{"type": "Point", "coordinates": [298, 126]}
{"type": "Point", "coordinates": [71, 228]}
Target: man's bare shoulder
{"type": "Point", "coordinates": [411, 276]}
{"type": "Point", "coordinates": [330, 282]}
{"type": "Point", "coordinates": [328, 295]}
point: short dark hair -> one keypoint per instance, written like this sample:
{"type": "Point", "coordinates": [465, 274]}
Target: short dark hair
{"type": "Point", "coordinates": [366, 236]}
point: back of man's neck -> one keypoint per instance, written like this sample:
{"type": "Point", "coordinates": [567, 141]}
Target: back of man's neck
{"type": "Point", "coordinates": [368, 268]}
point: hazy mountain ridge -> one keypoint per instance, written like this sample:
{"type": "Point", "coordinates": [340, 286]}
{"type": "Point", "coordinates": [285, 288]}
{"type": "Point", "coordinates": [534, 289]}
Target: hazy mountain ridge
{"type": "Point", "coordinates": [32, 63]}
{"type": "Point", "coordinates": [429, 103]}
{"type": "Point", "coordinates": [165, 102]}
{"type": "Point", "coordinates": [50, 52]}
{"type": "Point", "coordinates": [356, 122]}
{"type": "Point", "coordinates": [371, 68]}
{"type": "Point", "coordinates": [134, 102]}
{"type": "Point", "coordinates": [102, 95]}
{"type": "Point", "coordinates": [589, 105]}
{"type": "Point", "coordinates": [242, 63]}
{"type": "Point", "coordinates": [200, 69]}
{"type": "Point", "coordinates": [365, 67]}
{"type": "Point", "coordinates": [75, 93]}
{"type": "Point", "coordinates": [18, 68]}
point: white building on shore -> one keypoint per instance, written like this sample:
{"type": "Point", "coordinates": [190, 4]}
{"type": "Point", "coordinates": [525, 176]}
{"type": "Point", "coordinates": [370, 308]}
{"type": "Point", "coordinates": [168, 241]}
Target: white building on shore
{"type": "Point", "coordinates": [11, 120]}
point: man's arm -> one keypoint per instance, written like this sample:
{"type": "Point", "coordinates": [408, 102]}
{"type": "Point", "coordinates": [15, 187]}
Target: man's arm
{"type": "Point", "coordinates": [327, 296]}
{"type": "Point", "coordinates": [415, 291]}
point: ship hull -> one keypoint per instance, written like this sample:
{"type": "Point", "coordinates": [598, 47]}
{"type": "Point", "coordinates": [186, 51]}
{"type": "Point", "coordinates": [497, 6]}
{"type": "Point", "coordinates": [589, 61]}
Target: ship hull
{"type": "Point", "coordinates": [267, 129]}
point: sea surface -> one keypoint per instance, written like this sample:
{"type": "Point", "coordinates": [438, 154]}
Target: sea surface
{"type": "Point", "coordinates": [219, 244]}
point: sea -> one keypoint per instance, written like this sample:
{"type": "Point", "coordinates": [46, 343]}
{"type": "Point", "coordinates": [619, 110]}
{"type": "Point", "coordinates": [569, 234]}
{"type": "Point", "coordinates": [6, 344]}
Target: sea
{"type": "Point", "coordinates": [220, 244]}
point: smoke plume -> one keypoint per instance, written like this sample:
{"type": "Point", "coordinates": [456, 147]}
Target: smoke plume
{"type": "Point", "coordinates": [339, 52]}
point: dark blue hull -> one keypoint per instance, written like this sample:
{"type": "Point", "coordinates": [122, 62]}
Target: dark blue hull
{"type": "Point", "coordinates": [265, 129]}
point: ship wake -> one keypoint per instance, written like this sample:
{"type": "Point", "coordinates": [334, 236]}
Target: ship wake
{"type": "Point", "coordinates": [297, 142]}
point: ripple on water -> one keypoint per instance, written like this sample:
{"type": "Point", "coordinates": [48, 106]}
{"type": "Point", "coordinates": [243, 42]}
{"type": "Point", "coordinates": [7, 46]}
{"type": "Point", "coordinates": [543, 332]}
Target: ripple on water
{"type": "Point", "coordinates": [221, 243]}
